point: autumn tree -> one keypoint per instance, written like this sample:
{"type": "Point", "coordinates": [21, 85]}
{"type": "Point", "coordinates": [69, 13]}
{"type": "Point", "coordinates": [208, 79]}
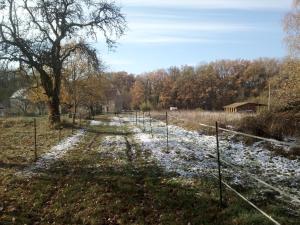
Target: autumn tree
{"type": "Point", "coordinates": [292, 29]}
{"type": "Point", "coordinates": [122, 83]}
{"type": "Point", "coordinates": [80, 66]}
{"type": "Point", "coordinates": [33, 33]}
{"type": "Point", "coordinates": [138, 94]}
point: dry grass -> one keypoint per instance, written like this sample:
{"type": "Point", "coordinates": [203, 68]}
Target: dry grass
{"type": "Point", "coordinates": [17, 139]}
{"type": "Point", "coordinates": [86, 187]}
{"type": "Point", "coordinates": [191, 118]}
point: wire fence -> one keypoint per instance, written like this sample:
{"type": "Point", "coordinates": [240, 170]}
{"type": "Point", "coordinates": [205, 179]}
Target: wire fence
{"type": "Point", "coordinates": [141, 118]}
{"type": "Point", "coordinates": [35, 136]}
{"type": "Point", "coordinates": [37, 132]}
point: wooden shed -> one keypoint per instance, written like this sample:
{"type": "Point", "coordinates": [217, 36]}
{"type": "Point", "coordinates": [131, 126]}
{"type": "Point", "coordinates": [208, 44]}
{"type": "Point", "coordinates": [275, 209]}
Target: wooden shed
{"type": "Point", "coordinates": [250, 107]}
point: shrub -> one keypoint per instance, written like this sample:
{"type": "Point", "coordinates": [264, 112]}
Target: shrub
{"type": "Point", "coordinates": [273, 124]}
{"type": "Point", "coordinates": [146, 106]}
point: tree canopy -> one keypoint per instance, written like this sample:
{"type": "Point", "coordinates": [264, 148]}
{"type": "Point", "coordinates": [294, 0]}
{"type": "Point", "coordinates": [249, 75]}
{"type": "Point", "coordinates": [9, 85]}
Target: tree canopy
{"type": "Point", "coordinates": [42, 34]}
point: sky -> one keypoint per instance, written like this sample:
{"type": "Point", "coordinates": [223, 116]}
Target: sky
{"type": "Point", "coordinates": [164, 33]}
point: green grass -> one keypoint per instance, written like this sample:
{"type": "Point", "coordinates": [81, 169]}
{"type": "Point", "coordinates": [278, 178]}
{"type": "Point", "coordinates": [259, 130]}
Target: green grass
{"type": "Point", "coordinates": [85, 187]}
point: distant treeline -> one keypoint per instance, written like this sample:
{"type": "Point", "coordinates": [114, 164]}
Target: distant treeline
{"type": "Point", "coordinates": [213, 85]}
{"type": "Point", "coordinates": [208, 86]}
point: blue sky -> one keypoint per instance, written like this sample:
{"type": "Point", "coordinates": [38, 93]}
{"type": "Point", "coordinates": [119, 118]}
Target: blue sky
{"type": "Point", "coordinates": [164, 33]}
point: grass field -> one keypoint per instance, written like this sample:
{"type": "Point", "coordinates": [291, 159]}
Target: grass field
{"type": "Point", "coordinates": [96, 183]}
{"type": "Point", "coordinates": [191, 118]}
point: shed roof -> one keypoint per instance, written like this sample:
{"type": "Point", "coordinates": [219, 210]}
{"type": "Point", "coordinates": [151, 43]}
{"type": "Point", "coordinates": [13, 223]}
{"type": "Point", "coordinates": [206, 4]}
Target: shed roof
{"type": "Point", "coordinates": [20, 94]}
{"type": "Point", "coordinates": [238, 104]}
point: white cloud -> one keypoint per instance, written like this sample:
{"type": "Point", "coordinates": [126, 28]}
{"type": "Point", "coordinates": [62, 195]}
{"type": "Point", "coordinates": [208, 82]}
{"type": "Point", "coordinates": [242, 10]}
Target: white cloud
{"type": "Point", "coordinates": [212, 4]}
{"type": "Point", "coordinates": [166, 39]}
{"type": "Point", "coordinates": [170, 26]}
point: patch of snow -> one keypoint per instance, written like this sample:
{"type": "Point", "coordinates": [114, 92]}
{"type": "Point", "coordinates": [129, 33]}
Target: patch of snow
{"type": "Point", "coordinates": [54, 154]}
{"type": "Point", "coordinates": [189, 154]}
{"type": "Point", "coordinates": [113, 147]}
{"type": "Point", "coordinates": [96, 123]}
{"type": "Point", "coordinates": [115, 122]}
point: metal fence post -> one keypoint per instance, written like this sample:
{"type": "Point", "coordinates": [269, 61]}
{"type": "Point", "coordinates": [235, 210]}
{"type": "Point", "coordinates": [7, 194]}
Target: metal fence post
{"type": "Point", "coordinates": [136, 117]}
{"type": "Point", "coordinates": [219, 165]}
{"type": "Point", "coordinates": [150, 118]}
{"type": "Point", "coordinates": [167, 129]}
{"type": "Point", "coordinates": [144, 121]}
{"type": "Point", "coordinates": [80, 119]}
{"type": "Point", "coordinates": [59, 133]}
{"type": "Point", "coordinates": [35, 140]}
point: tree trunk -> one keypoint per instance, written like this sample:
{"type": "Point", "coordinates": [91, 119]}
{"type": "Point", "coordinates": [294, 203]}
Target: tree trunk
{"type": "Point", "coordinates": [54, 113]}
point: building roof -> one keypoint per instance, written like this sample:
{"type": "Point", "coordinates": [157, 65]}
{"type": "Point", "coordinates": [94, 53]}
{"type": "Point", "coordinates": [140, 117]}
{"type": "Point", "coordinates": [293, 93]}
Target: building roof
{"type": "Point", "coordinates": [20, 94]}
{"type": "Point", "coordinates": [238, 104]}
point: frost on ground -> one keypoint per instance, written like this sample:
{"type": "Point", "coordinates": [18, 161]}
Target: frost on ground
{"type": "Point", "coordinates": [96, 123]}
{"type": "Point", "coordinates": [113, 147]}
{"type": "Point", "coordinates": [55, 153]}
{"type": "Point", "coordinates": [117, 148]}
{"type": "Point", "coordinates": [191, 153]}
{"type": "Point", "coordinates": [115, 122]}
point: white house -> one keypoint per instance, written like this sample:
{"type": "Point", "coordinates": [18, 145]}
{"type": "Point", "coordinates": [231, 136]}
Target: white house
{"type": "Point", "coordinates": [2, 110]}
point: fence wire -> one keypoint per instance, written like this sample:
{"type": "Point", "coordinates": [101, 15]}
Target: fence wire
{"type": "Point", "coordinates": [140, 121]}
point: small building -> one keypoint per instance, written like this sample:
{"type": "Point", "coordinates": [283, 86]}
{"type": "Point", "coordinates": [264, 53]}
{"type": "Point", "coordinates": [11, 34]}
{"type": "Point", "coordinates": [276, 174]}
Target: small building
{"type": "Point", "coordinates": [249, 107]}
{"type": "Point", "coordinates": [113, 105]}
{"type": "Point", "coordinates": [3, 110]}
{"type": "Point", "coordinates": [20, 104]}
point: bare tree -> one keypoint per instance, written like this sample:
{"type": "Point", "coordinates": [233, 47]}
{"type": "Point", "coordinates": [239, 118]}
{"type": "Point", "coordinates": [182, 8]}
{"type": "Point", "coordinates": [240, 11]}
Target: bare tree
{"type": "Point", "coordinates": [292, 28]}
{"type": "Point", "coordinates": [33, 33]}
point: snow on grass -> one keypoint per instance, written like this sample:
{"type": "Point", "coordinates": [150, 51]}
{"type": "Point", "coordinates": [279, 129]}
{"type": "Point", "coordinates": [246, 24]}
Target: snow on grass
{"type": "Point", "coordinates": [189, 154]}
{"type": "Point", "coordinates": [55, 153]}
{"type": "Point", "coordinates": [113, 147]}
{"type": "Point", "coordinates": [96, 123]}
{"type": "Point", "coordinates": [115, 122]}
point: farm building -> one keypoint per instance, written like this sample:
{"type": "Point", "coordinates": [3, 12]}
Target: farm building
{"type": "Point", "coordinates": [20, 104]}
{"type": "Point", "coordinates": [243, 107]}
{"type": "Point", "coordinates": [114, 105]}
{"type": "Point", "coordinates": [2, 110]}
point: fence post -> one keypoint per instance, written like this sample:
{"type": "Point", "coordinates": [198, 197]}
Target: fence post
{"type": "Point", "coordinates": [167, 129]}
{"type": "Point", "coordinates": [136, 117]}
{"type": "Point", "coordinates": [35, 140]}
{"type": "Point", "coordinates": [219, 165]}
{"type": "Point", "coordinates": [80, 119]}
{"type": "Point", "coordinates": [59, 133]}
{"type": "Point", "coordinates": [150, 123]}
{"type": "Point", "coordinates": [144, 121]}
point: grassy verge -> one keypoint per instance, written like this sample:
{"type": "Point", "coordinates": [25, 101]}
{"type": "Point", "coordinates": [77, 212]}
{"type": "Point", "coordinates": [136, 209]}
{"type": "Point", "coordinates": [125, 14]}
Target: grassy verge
{"type": "Point", "coordinates": [17, 139]}
{"type": "Point", "coordinates": [89, 187]}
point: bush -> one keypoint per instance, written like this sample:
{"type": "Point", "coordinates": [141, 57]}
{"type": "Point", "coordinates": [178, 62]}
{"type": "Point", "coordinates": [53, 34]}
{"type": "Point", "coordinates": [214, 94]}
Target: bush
{"type": "Point", "coordinates": [146, 106]}
{"type": "Point", "coordinates": [273, 124]}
